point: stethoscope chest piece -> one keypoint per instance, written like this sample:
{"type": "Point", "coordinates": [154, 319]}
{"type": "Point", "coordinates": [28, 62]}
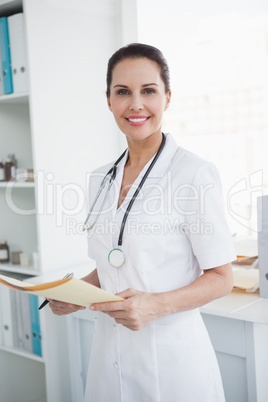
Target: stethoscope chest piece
{"type": "Point", "coordinates": [116, 258]}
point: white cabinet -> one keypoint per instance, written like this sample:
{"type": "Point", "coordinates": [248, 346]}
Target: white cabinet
{"type": "Point", "coordinates": [238, 328]}
{"type": "Point", "coordinates": [233, 342]}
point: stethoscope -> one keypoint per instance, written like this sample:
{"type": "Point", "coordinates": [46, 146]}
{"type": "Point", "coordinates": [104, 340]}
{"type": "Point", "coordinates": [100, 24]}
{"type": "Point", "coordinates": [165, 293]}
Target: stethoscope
{"type": "Point", "coordinates": [116, 256]}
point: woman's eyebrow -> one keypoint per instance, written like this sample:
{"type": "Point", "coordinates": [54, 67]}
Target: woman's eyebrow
{"type": "Point", "coordinates": [120, 85]}
{"type": "Point", "coordinates": [144, 85]}
{"type": "Point", "coordinates": [148, 85]}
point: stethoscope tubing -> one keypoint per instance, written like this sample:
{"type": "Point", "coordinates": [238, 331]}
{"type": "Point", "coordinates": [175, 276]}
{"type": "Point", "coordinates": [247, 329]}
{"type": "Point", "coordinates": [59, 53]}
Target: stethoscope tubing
{"type": "Point", "coordinates": [112, 172]}
{"type": "Point", "coordinates": [120, 238]}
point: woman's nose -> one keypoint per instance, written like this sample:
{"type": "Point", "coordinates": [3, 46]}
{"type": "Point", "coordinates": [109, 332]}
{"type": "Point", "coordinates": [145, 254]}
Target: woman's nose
{"type": "Point", "coordinates": [136, 103]}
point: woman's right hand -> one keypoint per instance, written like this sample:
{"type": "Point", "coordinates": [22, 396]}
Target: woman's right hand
{"type": "Point", "coordinates": [61, 308]}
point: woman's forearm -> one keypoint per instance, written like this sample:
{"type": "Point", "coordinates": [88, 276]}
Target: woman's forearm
{"type": "Point", "coordinates": [92, 278]}
{"type": "Point", "coordinates": [213, 284]}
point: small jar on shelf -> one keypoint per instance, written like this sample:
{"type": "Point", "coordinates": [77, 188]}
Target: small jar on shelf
{"type": "Point", "coordinates": [4, 252]}
{"type": "Point", "coordinates": [10, 170]}
{"type": "Point", "coordinates": [2, 170]}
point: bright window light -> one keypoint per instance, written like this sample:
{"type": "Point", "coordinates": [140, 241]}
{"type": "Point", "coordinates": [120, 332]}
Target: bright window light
{"type": "Point", "coordinates": [218, 56]}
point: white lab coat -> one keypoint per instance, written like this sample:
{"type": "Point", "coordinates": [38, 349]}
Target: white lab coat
{"type": "Point", "coordinates": [175, 229]}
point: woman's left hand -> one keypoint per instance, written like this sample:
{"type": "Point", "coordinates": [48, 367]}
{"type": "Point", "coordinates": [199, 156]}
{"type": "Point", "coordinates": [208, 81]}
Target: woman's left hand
{"type": "Point", "coordinates": [136, 311]}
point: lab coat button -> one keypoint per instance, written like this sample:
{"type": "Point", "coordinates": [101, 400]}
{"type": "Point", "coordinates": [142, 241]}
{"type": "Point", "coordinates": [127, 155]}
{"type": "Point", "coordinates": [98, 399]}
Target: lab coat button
{"type": "Point", "coordinates": [116, 365]}
{"type": "Point", "coordinates": [114, 327]}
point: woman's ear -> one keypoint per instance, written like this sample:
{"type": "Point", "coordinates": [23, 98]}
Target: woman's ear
{"type": "Point", "coordinates": [168, 99]}
{"type": "Point", "coordinates": [109, 102]}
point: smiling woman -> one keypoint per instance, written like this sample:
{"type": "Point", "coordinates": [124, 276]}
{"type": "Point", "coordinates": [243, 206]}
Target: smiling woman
{"type": "Point", "coordinates": [138, 99]}
{"type": "Point", "coordinates": [153, 346]}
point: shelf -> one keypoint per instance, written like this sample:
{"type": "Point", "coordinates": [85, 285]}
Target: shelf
{"type": "Point", "coordinates": [14, 98]}
{"type": "Point", "coordinates": [19, 269]}
{"type": "Point", "coordinates": [16, 184]}
{"type": "Point", "coordinates": [22, 353]}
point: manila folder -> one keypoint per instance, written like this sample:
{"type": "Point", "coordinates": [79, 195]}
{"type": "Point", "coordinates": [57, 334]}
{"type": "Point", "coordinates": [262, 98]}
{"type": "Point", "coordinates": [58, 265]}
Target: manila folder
{"type": "Point", "coordinates": [69, 290]}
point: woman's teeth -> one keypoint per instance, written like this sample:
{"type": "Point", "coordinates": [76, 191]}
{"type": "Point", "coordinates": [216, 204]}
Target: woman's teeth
{"type": "Point", "coordinates": [137, 120]}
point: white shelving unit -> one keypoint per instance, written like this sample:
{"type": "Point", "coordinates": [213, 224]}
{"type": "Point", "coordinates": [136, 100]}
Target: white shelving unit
{"type": "Point", "coordinates": [58, 129]}
{"type": "Point", "coordinates": [20, 230]}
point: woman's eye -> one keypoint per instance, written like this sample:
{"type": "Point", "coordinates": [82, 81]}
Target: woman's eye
{"type": "Point", "coordinates": [149, 91]}
{"type": "Point", "coordinates": [122, 92]}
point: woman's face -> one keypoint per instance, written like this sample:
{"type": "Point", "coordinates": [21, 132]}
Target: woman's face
{"type": "Point", "coordinates": [137, 98]}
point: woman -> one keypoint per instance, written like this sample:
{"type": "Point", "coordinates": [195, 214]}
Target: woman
{"type": "Point", "coordinates": [153, 346]}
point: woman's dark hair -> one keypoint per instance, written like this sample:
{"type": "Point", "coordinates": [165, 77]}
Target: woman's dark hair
{"type": "Point", "coordinates": [137, 51]}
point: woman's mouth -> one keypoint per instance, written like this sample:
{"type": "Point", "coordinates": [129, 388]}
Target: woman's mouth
{"type": "Point", "coordinates": [137, 121]}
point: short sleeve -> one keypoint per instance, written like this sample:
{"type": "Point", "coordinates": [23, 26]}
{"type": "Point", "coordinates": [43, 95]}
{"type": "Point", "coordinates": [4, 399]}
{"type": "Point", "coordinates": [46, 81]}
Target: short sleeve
{"type": "Point", "coordinates": [206, 226]}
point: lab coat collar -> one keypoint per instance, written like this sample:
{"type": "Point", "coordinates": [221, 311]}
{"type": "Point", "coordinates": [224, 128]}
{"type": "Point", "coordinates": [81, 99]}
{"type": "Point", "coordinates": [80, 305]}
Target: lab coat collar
{"type": "Point", "coordinates": [163, 162]}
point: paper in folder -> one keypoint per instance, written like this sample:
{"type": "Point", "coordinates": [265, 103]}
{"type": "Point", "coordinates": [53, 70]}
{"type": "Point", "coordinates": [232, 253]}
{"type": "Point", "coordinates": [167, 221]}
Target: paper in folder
{"type": "Point", "coordinates": [69, 290]}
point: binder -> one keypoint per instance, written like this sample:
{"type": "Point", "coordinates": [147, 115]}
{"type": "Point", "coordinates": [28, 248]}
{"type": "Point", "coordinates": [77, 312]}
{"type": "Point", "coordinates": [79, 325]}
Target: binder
{"type": "Point", "coordinates": [17, 320]}
{"type": "Point", "coordinates": [7, 325]}
{"type": "Point", "coordinates": [1, 77]}
{"type": "Point", "coordinates": [5, 56]}
{"type": "Point", "coordinates": [16, 28]}
{"type": "Point", "coordinates": [35, 321]}
{"type": "Point", "coordinates": [26, 322]}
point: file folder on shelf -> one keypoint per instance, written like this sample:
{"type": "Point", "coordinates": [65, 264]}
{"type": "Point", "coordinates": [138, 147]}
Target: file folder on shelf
{"type": "Point", "coordinates": [26, 321]}
{"type": "Point", "coordinates": [16, 320]}
{"type": "Point", "coordinates": [18, 52]}
{"type": "Point", "coordinates": [5, 56]}
{"type": "Point", "coordinates": [7, 324]}
{"type": "Point", "coordinates": [1, 77]}
{"type": "Point", "coordinates": [36, 333]}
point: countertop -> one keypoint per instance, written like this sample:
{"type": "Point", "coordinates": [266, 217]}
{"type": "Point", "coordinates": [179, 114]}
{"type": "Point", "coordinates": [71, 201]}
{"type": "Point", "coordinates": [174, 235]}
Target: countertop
{"type": "Point", "coordinates": [241, 306]}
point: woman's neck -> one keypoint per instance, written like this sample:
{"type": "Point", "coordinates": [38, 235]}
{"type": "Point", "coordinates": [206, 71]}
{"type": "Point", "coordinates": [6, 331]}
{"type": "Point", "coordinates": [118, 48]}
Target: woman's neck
{"type": "Point", "coordinates": [140, 152]}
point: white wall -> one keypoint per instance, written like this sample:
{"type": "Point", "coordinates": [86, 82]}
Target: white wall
{"type": "Point", "coordinates": [69, 43]}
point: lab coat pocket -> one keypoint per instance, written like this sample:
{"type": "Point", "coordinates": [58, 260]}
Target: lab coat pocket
{"type": "Point", "coordinates": [147, 242]}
